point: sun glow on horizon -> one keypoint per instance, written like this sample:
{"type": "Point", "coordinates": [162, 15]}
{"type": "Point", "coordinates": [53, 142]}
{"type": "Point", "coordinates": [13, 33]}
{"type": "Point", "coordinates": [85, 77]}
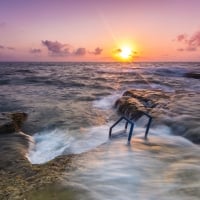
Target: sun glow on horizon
{"type": "Point", "coordinates": [125, 53]}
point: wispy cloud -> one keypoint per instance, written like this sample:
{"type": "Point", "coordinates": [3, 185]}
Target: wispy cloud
{"type": "Point", "coordinates": [11, 48]}
{"type": "Point", "coordinates": [180, 49]}
{"type": "Point", "coordinates": [80, 51]}
{"type": "Point", "coordinates": [97, 51]}
{"type": "Point", "coordinates": [181, 37]}
{"type": "Point", "coordinates": [191, 43]}
{"type": "Point", "coordinates": [117, 51]}
{"type": "Point", "coordinates": [35, 51]}
{"type": "Point", "coordinates": [56, 48]}
{"type": "Point", "coordinates": [4, 48]}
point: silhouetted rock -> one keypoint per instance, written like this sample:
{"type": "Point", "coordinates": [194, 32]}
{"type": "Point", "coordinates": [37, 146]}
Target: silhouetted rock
{"type": "Point", "coordinates": [195, 75]}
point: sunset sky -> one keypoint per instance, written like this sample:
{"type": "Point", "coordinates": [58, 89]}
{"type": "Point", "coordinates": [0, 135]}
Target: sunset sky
{"type": "Point", "coordinates": [98, 30]}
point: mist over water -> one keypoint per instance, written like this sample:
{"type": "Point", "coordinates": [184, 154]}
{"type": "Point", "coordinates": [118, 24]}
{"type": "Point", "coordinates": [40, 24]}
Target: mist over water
{"type": "Point", "coordinates": [70, 107]}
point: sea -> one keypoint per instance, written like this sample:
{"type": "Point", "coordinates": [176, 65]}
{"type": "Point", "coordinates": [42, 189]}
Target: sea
{"type": "Point", "coordinates": [70, 109]}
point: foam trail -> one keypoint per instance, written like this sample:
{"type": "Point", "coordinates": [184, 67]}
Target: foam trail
{"type": "Point", "coordinates": [50, 144]}
{"type": "Point", "coordinates": [89, 139]}
{"type": "Point", "coordinates": [106, 102]}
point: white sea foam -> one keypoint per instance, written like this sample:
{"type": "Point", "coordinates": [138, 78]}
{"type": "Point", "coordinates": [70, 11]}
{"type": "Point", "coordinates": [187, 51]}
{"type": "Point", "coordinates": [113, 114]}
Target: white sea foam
{"type": "Point", "coordinates": [49, 144]}
{"type": "Point", "coordinates": [106, 102]}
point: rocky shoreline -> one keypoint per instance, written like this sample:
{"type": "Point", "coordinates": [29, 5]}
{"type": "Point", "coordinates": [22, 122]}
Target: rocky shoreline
{"type": "Point", "coordinates": [19, 176]}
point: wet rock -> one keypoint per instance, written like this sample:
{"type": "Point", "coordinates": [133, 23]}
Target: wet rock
{"type": "Point", "coordinates": [195, 75]}
{"type": "Point", "coordinates": [12, 122]}
{"type": "Point", "coordinates": [18, 176]}
{"type": "Point", "coordinates": [134, 103]}
{"type": "Point", "coordinates": [193, 134]}
{"type": "Point", "coordinates": [130, 107]}
{"type": "Point", "coordinates": [18, 181]}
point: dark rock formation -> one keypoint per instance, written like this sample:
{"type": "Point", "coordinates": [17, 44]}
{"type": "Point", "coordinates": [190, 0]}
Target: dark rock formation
{"type": "Point", "coordinates": [12, 122]}
{"type": "Point", "coordinates": [195, 75]}
{"type": "Point", "coordinates": [134, 102]}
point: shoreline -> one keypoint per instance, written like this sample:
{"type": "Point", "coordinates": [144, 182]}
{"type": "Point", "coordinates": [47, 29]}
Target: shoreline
{"type": "Point", "coordinates": [19, 176]}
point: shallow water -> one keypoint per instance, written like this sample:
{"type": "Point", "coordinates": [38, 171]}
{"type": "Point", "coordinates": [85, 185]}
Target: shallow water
{"type": "Point", "coordinates": [164, 167]}
{"type": "Point", "coordinates": [70, 108]}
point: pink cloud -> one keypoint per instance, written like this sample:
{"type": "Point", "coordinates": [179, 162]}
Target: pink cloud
{"type": "Point", "coordinates": [180, 49]}
{"type": "Point", "coordinates": [191, 43]}
{"type": "Point", "coordinates": [80, 51]}
{"type": "Point", "coordinates": [11, 48]}
{"type": "Point", "coordinates": [35, 51]}
{"type": "Point", "coordinates": [181, 37]}
{"type": "Point", "coordinates": [97, 51]}
{"type": "Point", "coordinates": [56, 48]}
{"type": "Point", "coordinates": [4, 48]}
{"type": "Point", "coordinates": [195, 40]}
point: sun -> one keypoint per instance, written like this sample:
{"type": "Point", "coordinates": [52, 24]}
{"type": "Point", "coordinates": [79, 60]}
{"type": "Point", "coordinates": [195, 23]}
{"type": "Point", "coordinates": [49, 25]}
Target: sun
{"type": "Point", "coordinates": [124, 53]}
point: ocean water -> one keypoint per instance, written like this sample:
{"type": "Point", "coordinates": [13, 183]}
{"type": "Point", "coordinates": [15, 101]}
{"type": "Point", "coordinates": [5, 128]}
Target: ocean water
{"type": "Point", "coordinates": [70, 107]}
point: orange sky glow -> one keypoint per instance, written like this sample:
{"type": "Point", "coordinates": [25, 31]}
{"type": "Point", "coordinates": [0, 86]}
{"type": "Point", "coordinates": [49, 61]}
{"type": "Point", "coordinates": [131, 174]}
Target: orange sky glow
{"type": "Point", "coordinates": [98, 31]}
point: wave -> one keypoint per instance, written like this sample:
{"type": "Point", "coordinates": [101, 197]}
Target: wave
{"type": "Point", "coordinates": [52, 143]}
{"type": "Point", "coordinates": [106, 102]}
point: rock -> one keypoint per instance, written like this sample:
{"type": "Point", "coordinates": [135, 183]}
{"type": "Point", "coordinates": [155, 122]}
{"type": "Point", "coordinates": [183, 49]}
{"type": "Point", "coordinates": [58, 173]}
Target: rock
{"type": "Point", "coordinates": [130, 107]}
{"type": "Point", "coordinates": [195, 75]}
{"type": "Point", "coordinates": [12, 122]}
{"type": "Point", "coordinates": [18, 176]}
{"type": "Point", "coordinates": [134, 102]}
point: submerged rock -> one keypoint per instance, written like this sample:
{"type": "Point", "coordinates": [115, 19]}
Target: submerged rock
{"type": "Point", "coordinates": [195, 75]}
{"type": "Point", "coordinates": [12, 122]}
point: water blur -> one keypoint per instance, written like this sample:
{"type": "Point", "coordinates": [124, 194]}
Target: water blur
{"type": "Point", "coordinates": [163, 167]}
{"type": "Point", "coordinates": [70, 108]}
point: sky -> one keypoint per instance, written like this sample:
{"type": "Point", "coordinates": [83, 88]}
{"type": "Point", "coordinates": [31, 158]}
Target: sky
{"type": "Point", "coordinates": [98, 30]}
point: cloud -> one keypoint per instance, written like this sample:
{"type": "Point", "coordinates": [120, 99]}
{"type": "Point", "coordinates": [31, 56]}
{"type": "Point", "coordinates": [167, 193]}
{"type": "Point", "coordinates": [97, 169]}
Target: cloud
{"type": "Point", "coordinates": [11, 48]}
{"type": "Point", "coordinates": [97, 51]}
{"type": "Point", "coordinates": [194, 41]}
{"type": "Point", "coordinates": [180, 49]}
{"type": "Point", "coordinates": [35, 51]}
{"type": "Point", "coordinates": [117, 50]}
{"type": "Point", "coordinates": [181, 37]}
{"type": "Point", "coordinates": [191, 48]}
{"type": "Point", "coordinates": [56, 48]}
{"type": "Point", "coordinates": [191, 43]}
{"type": "Point", "coordinates": [4, 48]}
{"type": "Point", "coordinates": [80, 51]}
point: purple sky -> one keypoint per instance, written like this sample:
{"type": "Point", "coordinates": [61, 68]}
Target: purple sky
{"type": "Point", "coordinates": [91, 30]}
